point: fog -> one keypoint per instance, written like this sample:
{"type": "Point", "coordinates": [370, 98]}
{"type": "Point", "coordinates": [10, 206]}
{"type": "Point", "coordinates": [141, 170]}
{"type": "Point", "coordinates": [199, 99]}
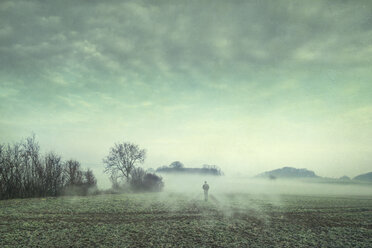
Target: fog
{"type": "Point", "coordinates": [233, 196]}
{"type": "Point", "coordinates": [192, 185]}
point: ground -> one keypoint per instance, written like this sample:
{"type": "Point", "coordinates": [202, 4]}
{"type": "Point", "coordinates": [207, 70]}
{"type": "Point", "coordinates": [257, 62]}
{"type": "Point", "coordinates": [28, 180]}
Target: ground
{"type": "Point", "coordinates": [181, 220]}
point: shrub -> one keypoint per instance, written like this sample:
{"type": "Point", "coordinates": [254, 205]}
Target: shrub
{"type": "Point", "coordinates": [153, 182]}
{"type": "Point", "coordinates": [145, 181]}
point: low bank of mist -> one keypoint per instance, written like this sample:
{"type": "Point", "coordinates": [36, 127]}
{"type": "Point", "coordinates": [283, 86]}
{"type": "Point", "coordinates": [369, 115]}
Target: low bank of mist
{"type": "Point", "coordinates": [192, 184]}
{"type": "Point", "coordinates": [234, 196]}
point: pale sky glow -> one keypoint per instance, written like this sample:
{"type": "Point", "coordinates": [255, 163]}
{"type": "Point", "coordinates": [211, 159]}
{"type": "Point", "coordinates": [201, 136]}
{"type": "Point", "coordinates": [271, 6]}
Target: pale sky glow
{"type": "Point", "coordinates": [246, 85]}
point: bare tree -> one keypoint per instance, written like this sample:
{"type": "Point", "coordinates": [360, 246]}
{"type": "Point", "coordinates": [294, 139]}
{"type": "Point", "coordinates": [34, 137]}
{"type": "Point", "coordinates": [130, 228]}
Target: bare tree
{"type": "Point", "coordinates": [137, 176]}
{"type": "Point", "coordinates": [54, 178]}
{"type": "Point", "coordinates": [33, 168]}
{"type": "Point", "coordinates": [123, 158]}
{"type": "Point", "coordinates": [89, 178]}
{"type": "Point", "coordinates": [115, 184]}
{"type": "Point", "coordinates": [11, 171]}
{"type": "Point", "coordinates": [73, 173]}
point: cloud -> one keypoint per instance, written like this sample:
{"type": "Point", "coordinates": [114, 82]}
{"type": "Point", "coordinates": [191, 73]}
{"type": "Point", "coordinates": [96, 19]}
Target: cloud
{"type": "Point", "coordinates": [167, 64]}
{"type": "Point", "coordinates": [176, 41]}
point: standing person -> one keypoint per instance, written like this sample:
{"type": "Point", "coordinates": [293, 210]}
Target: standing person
{"type": "Point", "coordinates": [205, 188]}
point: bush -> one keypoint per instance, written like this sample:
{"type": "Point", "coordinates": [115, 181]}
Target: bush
{"type": "Point", "coordinates": [145, 181]}
{"type": "Point", "coordinates": [153, 182]}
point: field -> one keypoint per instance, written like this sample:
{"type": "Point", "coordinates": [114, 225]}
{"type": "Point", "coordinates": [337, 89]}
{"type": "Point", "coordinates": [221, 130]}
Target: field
{"type": "Point", "coordinates": [183, 220]}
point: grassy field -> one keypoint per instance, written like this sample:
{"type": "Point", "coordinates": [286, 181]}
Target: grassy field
{"type": "Point", "coordinates": [181, 220]}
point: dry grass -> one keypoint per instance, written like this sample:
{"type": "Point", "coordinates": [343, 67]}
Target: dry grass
{"type": "Point", "coordinates": [177, 220]}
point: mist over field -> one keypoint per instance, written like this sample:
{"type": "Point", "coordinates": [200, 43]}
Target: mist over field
{"type": "Point", "coordinates": [192, 185]}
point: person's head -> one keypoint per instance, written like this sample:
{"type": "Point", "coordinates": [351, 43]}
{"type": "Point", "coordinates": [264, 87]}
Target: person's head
{"type": "Point", "coordinates": [205, 181]}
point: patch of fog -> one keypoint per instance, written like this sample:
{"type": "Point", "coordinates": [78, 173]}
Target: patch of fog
{"type": "Point", "coordinates": [225, 185]}
{"type": "Point", "coordinates": [243, 197]}
{"type": "Point", "coordinates": [103, 179]}
{"type": "Point", "coordinates": [233, 197]}
{"type": "Point", "coordinates": [191, 185]}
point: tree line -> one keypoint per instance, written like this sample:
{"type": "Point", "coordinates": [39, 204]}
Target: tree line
{"type": "Point", "coordinates": [24, 172]}
{"type": "Point", "coordinates": [178, 167]}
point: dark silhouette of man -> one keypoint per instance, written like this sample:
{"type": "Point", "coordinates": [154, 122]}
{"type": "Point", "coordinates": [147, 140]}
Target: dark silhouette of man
{"type": "Point", "coordinates": [205, 188]}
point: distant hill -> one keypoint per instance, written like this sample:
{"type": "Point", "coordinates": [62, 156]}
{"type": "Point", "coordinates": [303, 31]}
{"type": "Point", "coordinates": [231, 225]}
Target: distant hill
{"type": "Point", "coordinates": [294, 173]}
{"type": "Point", "coordinates": [367, 177]}
{"type": "Point", "coordinates": [288, 172]}
{"type": "Point", "coordinates": [344, 178]}
{"type": "Point", "coordinates": [178, 168]}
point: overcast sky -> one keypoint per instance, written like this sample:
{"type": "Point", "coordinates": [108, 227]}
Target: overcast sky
{"type": "Point", "coordinates": [246, 85]}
